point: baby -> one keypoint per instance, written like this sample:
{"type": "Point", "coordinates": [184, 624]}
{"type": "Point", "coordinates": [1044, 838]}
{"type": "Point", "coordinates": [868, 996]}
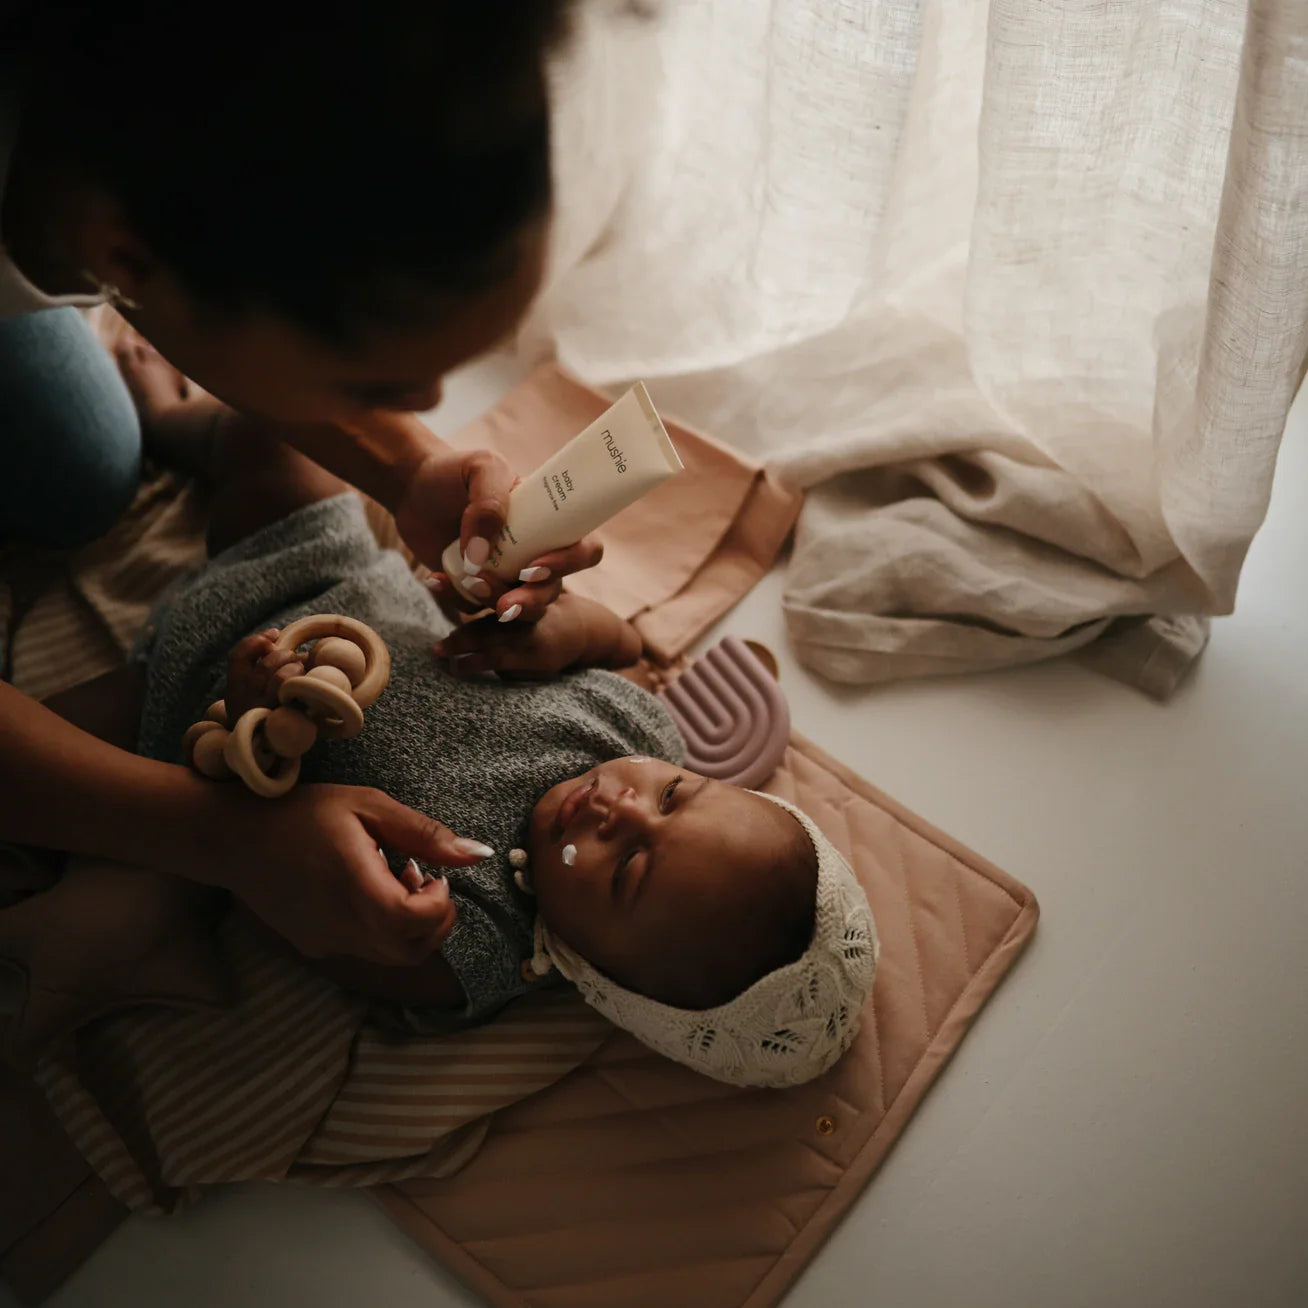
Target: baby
{"type": "Point", "coordinates": [718, 925]}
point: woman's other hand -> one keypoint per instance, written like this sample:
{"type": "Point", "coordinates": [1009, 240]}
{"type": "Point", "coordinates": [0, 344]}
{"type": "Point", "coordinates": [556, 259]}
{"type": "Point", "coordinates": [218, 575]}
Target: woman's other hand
{"type": "Point", "coordinates": [310, 866]}
{"type": "Point", "coordinates": [467, 494]}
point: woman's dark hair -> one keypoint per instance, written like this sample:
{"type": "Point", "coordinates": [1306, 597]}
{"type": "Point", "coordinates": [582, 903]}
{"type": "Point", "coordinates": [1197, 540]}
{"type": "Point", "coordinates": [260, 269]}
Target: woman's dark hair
{"type": "Point", "coordinates": [343, 164]}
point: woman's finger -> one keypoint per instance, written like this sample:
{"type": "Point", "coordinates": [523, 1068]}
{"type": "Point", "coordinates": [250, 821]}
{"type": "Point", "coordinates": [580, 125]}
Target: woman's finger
{"type": "Point", "coordinates": [586, 553]}
{"type": "Point", "coordinates": [435, 915]}
{"type": "Point", "coordinates": [408, 925]}
{"type": "Point", "coordinates": [489, 482]}
{"type": "Point", "coordinates": [527, 603]}
{"type": "Point", "coordinates": [411, 878]}
{"type": "Point", "coordinates": [455, 606]}
{"type": "Point", "coordinates": [394, 826]}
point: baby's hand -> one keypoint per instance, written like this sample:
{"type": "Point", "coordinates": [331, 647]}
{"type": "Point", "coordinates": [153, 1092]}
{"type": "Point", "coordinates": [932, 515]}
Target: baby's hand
{"type": "Point", "coordinates": [256, 669]}
{"type": "Point", "coordinates": [519, 649]}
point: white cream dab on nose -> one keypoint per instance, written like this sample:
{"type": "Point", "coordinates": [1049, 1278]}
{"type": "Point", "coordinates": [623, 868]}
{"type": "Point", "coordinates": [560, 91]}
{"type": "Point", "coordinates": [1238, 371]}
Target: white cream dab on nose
{"type": "Point", "coordinates": [639, 758]}
{"type": "Point", "coordinates": [569, 855]}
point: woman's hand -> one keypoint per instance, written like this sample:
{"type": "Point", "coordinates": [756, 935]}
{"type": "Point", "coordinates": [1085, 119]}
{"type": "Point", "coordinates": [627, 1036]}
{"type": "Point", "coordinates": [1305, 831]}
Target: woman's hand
{"type": "Point", "coordinates": [439, 494]}
{"type": "Point", "coordinates": [466, 494]}
{"type": "Point", "coordinates": [309, 865]}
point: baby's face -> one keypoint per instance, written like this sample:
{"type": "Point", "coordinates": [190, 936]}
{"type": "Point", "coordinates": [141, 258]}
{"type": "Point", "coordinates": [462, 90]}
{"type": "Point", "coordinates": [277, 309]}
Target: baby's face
{"type": "Point", "coordinates": [664, 874]}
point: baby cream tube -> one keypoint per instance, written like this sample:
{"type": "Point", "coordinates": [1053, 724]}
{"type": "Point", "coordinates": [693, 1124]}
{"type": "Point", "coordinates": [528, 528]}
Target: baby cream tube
{"type": "Point", "coordinates": [621, 455]}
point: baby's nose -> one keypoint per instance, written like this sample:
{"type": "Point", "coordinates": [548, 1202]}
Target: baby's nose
{"type": "Point", "coordinates": [619, 808]}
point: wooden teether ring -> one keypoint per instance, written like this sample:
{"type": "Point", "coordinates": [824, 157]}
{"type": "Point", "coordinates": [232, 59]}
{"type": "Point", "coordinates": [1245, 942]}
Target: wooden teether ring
{"type": "Point", "coordinates": [334, 711]}
{"type": "Point", "coordinates": [194, 732]}
{"type": "Point", "coordinates": [333, 676]}
{"type": "Point", "coordinates": [241, 754]}
{"type": "Point", "coordinates": [289, 732]}
{"type": "Point", "coordinates": [377, 658]}
{"type": "Point", "coordinates": [348, 669]}
{"type": "Point", "coordinates": [203, 747]}
{"type": "Point", "coordinates": [343, 655]}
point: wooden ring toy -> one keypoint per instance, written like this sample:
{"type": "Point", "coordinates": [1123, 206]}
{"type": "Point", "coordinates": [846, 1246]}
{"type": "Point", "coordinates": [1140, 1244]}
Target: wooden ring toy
{"type": "Point", "coordinates": [209, 753]}
{"type": "Point", "coordinates": [377, 658]}
{"type": "Point", "coordinates": [333, 711]}
{"type": "Point", "coordinates": [289, 732]}
{"type": "Point", "coordinates": [241, 754]}
{"type": "Point", "coordinates": [193, 734]}
{"type": "Point", "coordinates": [347, 669]}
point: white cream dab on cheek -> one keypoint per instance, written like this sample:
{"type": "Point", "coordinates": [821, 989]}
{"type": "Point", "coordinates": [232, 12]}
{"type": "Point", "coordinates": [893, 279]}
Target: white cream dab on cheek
{"type": "Point", "coordinates": [569, 855]}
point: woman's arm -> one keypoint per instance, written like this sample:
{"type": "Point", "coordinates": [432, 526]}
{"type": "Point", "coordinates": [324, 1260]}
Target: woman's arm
{"type": "Point", "coordinates": [307, 864]}
{"type": "Point", "coordinates": [381, 455]}
{"type": "Point", "coordinates": [65, 789]}
{"type": "Point", "coordinates": [437, 494]}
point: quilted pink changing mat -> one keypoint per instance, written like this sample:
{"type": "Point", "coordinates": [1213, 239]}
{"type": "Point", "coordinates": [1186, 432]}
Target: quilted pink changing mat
{"type": "Point", "coordinates": [634, 1183]}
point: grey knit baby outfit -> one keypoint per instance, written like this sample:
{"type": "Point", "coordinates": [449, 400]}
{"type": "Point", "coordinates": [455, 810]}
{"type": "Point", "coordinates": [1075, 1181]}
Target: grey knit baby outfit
{"type": "Point", "coordinates": [475, 753]}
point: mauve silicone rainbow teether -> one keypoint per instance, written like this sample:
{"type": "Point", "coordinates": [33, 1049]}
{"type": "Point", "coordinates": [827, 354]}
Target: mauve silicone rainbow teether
{"type": "Point", "coordinates": [731, 714]}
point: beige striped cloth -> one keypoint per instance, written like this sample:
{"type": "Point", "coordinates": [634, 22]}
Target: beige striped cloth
{"type": "Point", "coordinates": [293, 1084]}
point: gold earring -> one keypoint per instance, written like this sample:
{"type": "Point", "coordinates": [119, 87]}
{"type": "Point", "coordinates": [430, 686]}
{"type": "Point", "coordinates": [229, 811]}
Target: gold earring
{"type": "Point", "coordinates": [109, 291]}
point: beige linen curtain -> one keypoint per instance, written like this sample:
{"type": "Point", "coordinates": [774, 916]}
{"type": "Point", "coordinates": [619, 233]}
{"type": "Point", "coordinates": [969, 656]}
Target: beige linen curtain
{"type": "Point", "coordinates": [1017, 291]}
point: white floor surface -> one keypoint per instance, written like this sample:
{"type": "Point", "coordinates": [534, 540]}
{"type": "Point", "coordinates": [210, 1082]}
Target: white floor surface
{"type": "Point", "coordinates": [1124, 1125]}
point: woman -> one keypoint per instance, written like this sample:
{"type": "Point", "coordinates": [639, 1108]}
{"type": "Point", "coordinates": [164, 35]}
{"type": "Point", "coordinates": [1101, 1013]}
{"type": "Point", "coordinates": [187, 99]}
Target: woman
{"type": "Point", "coordinates": [315, 211]}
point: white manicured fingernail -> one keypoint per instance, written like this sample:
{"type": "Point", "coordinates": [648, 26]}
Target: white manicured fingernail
{"type": "Point", "coordinates": [475, 556]}
{"type": "Point", "coordinates": [569, 855]}
{"type": "Point", "coordinates": [513, 611]}
{"type": "Point", "coordinates": [475, 586]}
{"type": "Point", "coordinates": [436, 582]}
{"type": "Point", "coordinates": [534, 574]}
{"type": "Point", "coordinates": [473, 847]}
